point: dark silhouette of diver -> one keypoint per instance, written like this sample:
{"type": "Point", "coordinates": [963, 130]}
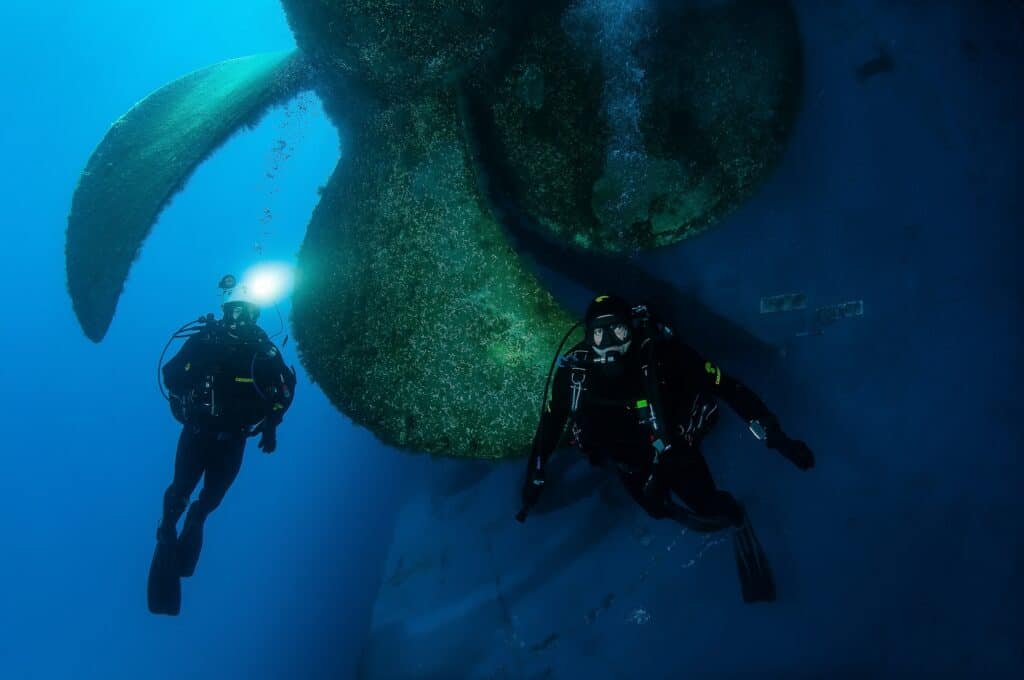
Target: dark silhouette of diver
{"type": "Point", "coordinates": [227, 383]}
{"type": "Point", "coordinates": [632, 396]}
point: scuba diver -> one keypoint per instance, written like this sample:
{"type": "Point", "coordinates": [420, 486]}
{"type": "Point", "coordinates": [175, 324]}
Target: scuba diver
{"type": "Point", "coordinates": [226, 384]}
{"type": "Point", "coordinates": [636, 398]}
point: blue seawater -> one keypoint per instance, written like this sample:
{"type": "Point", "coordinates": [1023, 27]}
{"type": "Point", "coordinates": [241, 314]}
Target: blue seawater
{"type": "Point", "coordinates": [899, 555]}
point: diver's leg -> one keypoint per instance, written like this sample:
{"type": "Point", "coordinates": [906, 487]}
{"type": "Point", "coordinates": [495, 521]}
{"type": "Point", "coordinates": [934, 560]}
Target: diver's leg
{"type": "Point", "coordinates": [690, 478]}
{"type": "Point", "coordinates": [188, 468]}
{"type": "Point", "coordinates": [693, 483]}
{"type": "Point", "coordinates": [634, 482]}
{"type": "Point", "coordinates": [223, 461]}
{"type": "Point", "coordinates": [163, 588]}
{"type": "Point", "coordinates": [652, 493]}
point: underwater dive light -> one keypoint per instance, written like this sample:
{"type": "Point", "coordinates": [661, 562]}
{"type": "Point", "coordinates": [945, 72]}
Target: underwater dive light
{"type": "Point", "coordinates": [269, 283]}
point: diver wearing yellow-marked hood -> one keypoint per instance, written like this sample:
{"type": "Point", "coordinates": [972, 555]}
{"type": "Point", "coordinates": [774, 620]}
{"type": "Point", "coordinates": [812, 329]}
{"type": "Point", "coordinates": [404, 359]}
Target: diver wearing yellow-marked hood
{"type": "Point", "coordinates": [636, 399]}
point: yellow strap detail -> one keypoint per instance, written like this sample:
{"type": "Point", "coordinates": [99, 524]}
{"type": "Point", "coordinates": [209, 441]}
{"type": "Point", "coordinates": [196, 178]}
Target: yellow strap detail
{"type": "Point", "coordinates": [600, 298]}
{"type": "Point", "coordinates": [714, 370]}
{"type": "Point", "coordinates": [243, 380]}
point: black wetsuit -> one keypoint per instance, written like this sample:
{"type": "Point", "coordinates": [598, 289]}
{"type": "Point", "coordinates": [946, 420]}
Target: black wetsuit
{"type": "Point", "coordinates": [607, 424]}
{"type": "Point", "coordinates": [222, 383]}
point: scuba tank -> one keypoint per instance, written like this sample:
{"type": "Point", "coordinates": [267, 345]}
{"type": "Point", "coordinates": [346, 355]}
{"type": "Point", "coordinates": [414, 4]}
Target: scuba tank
{"type": "Point", "coordinates": [182, 406]}
{"type": "Point", "coordinates": [200, 401]}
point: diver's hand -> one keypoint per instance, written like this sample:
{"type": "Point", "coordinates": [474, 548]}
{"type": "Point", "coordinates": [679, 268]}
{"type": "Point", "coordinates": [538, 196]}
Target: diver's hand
{"type": "Point", "coordinates": [268, 440]}
{"type": "Point", "coordinates": [532, 489]}
{"type": "Point", "coordinates": [796, 451]}
{"type": "Point", "coordinates": [654, 488]}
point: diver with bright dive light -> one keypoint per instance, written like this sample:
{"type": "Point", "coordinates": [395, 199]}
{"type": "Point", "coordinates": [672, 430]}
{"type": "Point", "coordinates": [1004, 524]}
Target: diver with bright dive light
{"type": "Point", "coordinates": [633, 397]}
{"type": "Point", "coordinates": [226, 384]}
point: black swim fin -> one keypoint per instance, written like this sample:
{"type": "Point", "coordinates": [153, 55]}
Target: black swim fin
{"type": "Point", "coordinates": [190, 543]}
{"type": "Point", "coordinates": [755, 573]}
{"type": "Point", "coordinates": [694, 522]}
{"type": "Point", "coordinates": [164, 587]}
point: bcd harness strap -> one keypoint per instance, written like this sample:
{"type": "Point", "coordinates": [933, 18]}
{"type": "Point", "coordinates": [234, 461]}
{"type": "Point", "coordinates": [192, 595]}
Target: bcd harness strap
{"type": "Point", "coordinates": [577, 376]}
{"type": "Point", "coordinates": [649, 409]}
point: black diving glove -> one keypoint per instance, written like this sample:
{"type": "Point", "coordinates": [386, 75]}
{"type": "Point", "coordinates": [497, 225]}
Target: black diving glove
{"type": "Point", "coordinates": [654, 489]}
{"type": "Point", "coordinates": [794, 450]}
{"type": "Point", "coordinates": [532, 488]}
{"type": "Point", "coordinates": [268, 440]}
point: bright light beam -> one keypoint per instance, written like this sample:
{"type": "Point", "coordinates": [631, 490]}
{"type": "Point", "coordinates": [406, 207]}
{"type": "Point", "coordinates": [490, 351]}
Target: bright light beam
{"type": "Point", "coordinates": [269, 283]}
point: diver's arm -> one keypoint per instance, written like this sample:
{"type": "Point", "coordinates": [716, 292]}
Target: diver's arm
{"type": "Point", "coordinates": [762, 422]}
{"type": "Point", "coordinates": [552, 424]}
{"type": "Point", "coordinates": [545, 441]}
{"type": "Point", "coordinates": [740, 398]}
{"type": "Point", "coordinates": [279, 391]}
{"type": "Point", "coordinates": [282, 381]}
{"type": "Point", "coordinates": [687, 367]}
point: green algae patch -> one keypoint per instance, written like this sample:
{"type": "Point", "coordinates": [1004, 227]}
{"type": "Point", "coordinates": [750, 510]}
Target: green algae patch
{"type": "Point", "coordinates": [146, 157]}
{"type": "Point", "coordinates": [722, 97]}
{"type": "Point", "coordinates": [412, 312]}
{"type": "Point", "coordinates": [637, 129]}
{"type": "Point", "coordinates": [400, 49]}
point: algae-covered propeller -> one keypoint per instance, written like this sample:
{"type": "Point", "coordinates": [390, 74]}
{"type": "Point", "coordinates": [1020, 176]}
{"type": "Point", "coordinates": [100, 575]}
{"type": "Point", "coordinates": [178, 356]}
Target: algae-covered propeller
{"type": "Point", "coordinates": [414, 315]}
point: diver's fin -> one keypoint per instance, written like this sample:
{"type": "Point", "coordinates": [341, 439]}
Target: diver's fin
{"type": "Point", "coordinates": [755, 573]}
{"type": "Point", "coordinates": [190, 543]}
{"type": "Point", "coordinates": [164, 587]}
{"type": "Point", "coordinates": [146, 157]}
{"type": "Point", "coordinates": [695, 522]}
